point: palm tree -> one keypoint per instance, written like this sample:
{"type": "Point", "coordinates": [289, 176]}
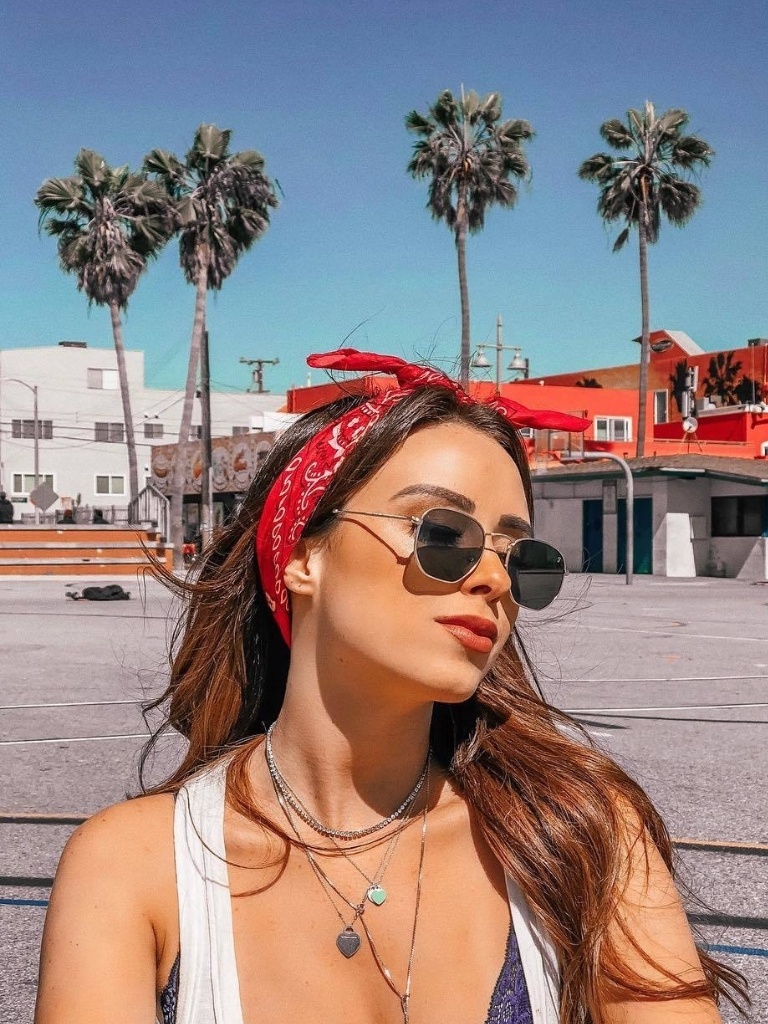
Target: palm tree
{"type": "Point", "coordinates": [109, 221]}
{"type": "Point", "coordinates": [646, 181]}
{"type": "Point", "coordinates": [722, 375]}
{"type": "Point", "coordinates": [222, 202]}
{"type": "Point", "coordinates": [473, 159]}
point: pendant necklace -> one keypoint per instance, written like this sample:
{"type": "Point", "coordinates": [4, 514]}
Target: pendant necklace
{"type": "Point", "coordinates": [318, 826]}
{"type": "Point", "coordinates": [405, 995]}
{"type": "Point", "coordinates": [348, 941]}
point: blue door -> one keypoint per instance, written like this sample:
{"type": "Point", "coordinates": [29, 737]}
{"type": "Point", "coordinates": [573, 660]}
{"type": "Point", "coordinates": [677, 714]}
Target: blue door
{"type": "Point", "coordinates": [592, 535]}
{"type": "Point", "coordinates": [642, 534]}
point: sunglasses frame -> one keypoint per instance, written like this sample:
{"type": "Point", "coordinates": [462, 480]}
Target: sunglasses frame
{"type": "Point", "coordinates": [418, 520]}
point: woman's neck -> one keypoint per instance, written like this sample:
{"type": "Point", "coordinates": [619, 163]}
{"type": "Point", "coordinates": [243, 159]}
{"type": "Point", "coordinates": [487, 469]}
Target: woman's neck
{"type": "Point", "coordinates": [350, 764]}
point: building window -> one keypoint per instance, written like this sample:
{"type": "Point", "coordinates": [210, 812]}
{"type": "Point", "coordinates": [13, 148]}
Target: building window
{"type": "Point", "coordinates": [26, 429]}
{"type": "Point", "coordinates": [745, 516]}
{"type": "Point", "coordinates": [24, 483]}
{"type": "Point", "coordinates": [238, 431]}
{"type": "Point", "coordinates": [108, 432]}
{"type": "Point", "coordinates": [110, 485]}
{"type": "Point", "coordinates": [153, 429]}
{"type": "Point", "coordinates": [613, 428]}
{"type": "Point", "coordinates": [103, 380]}
{"type": "Point", "coordinates": [660, 406]}
{"type": "Point", "coordinates": [195, 432]}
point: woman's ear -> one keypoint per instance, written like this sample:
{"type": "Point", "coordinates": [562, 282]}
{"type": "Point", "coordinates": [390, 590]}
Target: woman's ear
{"type": "Point", "coordinates": [299, 574]}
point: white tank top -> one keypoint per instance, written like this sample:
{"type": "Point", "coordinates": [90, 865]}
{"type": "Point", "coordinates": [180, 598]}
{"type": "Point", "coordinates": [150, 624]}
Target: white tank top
{"type": "Point", "coordinates": [208, 985]}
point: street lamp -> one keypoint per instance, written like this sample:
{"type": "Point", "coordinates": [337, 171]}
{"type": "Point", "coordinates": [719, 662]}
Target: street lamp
{"type": "Point", "coordinates": [518, 365]}
{"type": "Point", "coordinates": [36, 428]}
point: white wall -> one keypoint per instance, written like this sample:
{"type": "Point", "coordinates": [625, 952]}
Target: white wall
{"type": "Point", "coordinates": [72, 455]}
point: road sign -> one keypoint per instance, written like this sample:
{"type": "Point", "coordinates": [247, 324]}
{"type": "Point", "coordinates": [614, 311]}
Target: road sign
{"type": "Point", "coordinates": [43, 496]}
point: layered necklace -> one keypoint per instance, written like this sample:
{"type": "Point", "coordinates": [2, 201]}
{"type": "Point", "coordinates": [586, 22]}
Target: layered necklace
{"type": "Point", "coordinates": [348, 940]}
{"type": "Point", "coordinates": [330, 833]}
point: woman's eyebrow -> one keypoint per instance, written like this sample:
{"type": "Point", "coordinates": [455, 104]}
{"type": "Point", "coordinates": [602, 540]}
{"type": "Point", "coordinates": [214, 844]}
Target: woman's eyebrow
{"type": "Point", "coordinates": [507, 522]}
{"type": "Point", "coordinates": [443, 493]}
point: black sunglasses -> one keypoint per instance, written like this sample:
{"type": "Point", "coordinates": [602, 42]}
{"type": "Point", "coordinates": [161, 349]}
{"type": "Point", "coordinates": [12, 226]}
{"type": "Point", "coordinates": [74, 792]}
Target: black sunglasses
{"type": "Point", "coordinates": [448, 546]}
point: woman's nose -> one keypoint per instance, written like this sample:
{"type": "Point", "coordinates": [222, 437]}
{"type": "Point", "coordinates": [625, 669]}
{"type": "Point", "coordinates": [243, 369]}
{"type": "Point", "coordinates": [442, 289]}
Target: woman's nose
{"type": "Point", "coordinates": [489, 576]}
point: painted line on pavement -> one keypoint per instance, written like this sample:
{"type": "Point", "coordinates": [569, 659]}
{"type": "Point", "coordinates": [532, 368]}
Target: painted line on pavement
{"type": "Point", "coordinates": [35, 818]}
{"type": "Point", "coordinates": [7, 901]}
{"type": "Point", "coordinates": [678, 636]}
{"type": "Point", "coordinates": [69, 704]}
{"type": "Point", "coordinates": [660, 679]}
{"type": "Point", "coordinates": [757, 924]}
{"type": "Point", "coordinates": [679, 707]}
{"type": "Point", "coordinates": [78, 739]}
{"type": "Point", "coordinates": [718, 846]}
{"type": "Point", "coordinates": [739, 950]}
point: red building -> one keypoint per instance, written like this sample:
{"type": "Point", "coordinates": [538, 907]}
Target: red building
{"type": "Point", "coordinates": [731, 392]}
{"type": "Point", "coordinates": [730, 410]}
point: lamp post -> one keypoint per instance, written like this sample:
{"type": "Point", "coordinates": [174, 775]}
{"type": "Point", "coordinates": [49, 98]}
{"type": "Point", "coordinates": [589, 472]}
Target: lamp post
{"type": "Point", "coordinates": [36, 428]}
{"type": "Point", "coordinates": [630, 524]}
{"type": "Point", "coordinates": [519, 363]}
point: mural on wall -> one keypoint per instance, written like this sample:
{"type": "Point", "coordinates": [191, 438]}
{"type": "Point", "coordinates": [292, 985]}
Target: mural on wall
{"type": "Point", "coordinates": [722, 382]}
{"type": "Point", "coordinates": [679, 380]}
{"type": "Point", "coordinates": [234, 462]}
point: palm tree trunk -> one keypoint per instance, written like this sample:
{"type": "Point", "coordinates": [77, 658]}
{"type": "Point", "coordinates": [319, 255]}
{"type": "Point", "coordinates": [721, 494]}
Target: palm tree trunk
{"type": "Point", "coordinates": [461, 252]}
{"type": "Point", "coordinates": [125, 395]}
{"type": "Point", "coordinates": [177, 490]}
{"type": "Point", "coordinates": [645, 341]}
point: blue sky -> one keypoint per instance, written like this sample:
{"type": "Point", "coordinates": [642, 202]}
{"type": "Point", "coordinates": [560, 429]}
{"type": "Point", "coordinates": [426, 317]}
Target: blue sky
{"type": "Point", "coordinates": [322, 89]}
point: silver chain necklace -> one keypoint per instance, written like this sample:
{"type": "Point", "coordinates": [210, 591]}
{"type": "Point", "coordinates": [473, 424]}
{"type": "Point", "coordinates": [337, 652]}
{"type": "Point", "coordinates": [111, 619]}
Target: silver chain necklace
{"type": "Point", "coordinates": [375, 891]}
{"type": "Point", "coordinates": [348, 941]}
{"type": "Point", "coordinates": [331, 833]}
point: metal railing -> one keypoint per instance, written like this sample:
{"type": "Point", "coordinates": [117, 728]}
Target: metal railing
{"type": "Point", "coordinates": [150, 506]}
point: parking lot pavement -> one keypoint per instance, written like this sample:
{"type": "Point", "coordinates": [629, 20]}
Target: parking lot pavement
{"type": "Point", "coordinates": [668, 676]}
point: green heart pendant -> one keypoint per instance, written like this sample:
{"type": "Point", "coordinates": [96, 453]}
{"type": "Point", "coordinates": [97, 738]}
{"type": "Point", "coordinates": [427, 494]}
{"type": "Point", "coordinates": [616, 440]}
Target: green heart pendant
{"type": "Point", "coordinates": [377, 895]}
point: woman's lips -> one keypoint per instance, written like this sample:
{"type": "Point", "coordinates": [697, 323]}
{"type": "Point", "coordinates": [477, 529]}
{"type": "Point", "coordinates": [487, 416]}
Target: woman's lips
{"type": "Point", "coordinates": [471, 640]}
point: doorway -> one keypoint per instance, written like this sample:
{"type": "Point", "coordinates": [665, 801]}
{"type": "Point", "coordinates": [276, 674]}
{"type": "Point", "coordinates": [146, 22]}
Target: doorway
{"type": "Point", "coordinates": [642, 535]}
{"type": "Point", "coordinates": [592, 535]}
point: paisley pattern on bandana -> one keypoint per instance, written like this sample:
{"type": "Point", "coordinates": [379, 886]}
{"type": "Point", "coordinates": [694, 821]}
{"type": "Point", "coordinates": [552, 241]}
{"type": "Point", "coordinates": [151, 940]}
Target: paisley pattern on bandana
{"type": "Point", "coordinates": [296, 492]}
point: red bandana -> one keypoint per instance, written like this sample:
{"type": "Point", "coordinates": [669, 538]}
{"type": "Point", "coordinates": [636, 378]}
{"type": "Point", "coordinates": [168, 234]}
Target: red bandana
{"type": "Point", "coordinates": [296, 492]}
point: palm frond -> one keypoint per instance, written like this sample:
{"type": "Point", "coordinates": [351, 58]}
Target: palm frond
{"type": "Point", "coordinates": [689, 151]}
{"type": "Point", "coordinates": [621, 240]}
{"type": "Point", "coordinates": [92, 168]}
{"type": "Point", "coordinates": [417, 123]}
{"type": "Point", "coordinates": [617, 134]}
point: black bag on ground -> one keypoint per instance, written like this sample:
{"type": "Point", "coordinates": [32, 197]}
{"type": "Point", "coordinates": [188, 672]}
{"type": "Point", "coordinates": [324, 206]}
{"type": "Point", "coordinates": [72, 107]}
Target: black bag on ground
{"type": "Point", "coordinates": [112, 592]}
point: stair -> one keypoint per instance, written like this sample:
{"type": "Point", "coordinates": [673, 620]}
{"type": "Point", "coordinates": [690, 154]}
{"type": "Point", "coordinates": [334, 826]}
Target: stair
{"type": "Point", "coordinates": [80, 550]}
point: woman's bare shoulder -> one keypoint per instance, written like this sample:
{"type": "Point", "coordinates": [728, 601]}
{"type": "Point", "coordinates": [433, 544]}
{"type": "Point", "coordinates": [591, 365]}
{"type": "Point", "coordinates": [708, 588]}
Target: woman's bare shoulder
{"type": "Point", "coordinates": [125, 829]}
{"type": "Point", "coordinates": [127, 848]}
{"type": "Point", "coordinates": [112, 923]}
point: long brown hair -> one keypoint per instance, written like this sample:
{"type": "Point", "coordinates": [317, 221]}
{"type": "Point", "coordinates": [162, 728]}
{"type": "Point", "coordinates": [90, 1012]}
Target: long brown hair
{"type": "Point", "coordinates": [552, 807]}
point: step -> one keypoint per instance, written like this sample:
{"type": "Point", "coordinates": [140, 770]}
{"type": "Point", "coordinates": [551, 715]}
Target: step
{"type": "Point", "coordinates": [75, 561]}
{"type": "Point", "coordinates": [70, 572]}
{"type": "Point", "coordinates": [74, 545]}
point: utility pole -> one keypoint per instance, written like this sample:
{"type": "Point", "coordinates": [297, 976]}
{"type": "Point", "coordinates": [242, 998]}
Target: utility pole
{"type": "Point", "coordinates": [206, 488]}
{"type": "Point", "coordinates": [258, 372]}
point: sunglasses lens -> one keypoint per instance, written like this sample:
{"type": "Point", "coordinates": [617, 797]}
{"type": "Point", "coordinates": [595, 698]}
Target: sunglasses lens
{"type": "Point", "coordinates": [537, 571]}
{"type": "Point", "coordinates": [448, 544]}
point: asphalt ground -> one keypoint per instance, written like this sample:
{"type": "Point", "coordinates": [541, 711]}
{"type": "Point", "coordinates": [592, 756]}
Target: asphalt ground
{"type": "Point", "coordinates": [668, 676]}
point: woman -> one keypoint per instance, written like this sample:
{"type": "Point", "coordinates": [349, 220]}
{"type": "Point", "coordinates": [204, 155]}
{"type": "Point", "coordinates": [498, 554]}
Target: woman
{"type": "Point", "coordinates": [378, 817]}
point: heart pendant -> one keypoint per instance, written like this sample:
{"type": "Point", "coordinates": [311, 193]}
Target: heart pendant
{"type": "Point", "coordinates": [377, 894]}
{"type": "Point", "coordinates": [348, 942]}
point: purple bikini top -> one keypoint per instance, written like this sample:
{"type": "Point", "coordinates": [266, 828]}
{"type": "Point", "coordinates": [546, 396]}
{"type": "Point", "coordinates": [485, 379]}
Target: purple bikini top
{"type": "Point", "coordinates": [509, 1004]}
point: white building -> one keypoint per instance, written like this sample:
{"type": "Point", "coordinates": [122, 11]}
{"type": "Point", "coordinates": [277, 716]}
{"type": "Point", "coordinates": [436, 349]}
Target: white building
{"type": "Point", "coordinates": [81, 430]}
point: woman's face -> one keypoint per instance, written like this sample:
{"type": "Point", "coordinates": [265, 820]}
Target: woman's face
{"type": "Point", "coordinates": [378, 620]}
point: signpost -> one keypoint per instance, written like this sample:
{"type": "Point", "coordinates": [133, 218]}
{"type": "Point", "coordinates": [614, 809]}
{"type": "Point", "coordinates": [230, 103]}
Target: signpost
{"type": "Point", "coordinates": [43, 496]}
